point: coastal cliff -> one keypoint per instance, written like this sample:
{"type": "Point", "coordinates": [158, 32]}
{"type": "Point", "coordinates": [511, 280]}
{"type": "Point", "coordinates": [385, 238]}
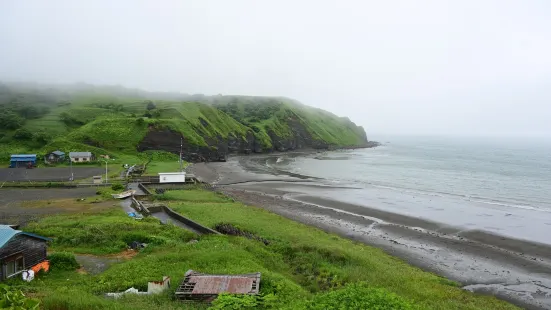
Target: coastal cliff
{"type": "Point", "coordinates": [269, 124]}
{"type": "Point", "coordinates": [119, 121]}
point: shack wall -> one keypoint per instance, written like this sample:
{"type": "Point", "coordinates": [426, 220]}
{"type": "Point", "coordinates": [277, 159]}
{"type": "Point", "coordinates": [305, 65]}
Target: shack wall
{"type": "Point", "coordinates": [33, 251]}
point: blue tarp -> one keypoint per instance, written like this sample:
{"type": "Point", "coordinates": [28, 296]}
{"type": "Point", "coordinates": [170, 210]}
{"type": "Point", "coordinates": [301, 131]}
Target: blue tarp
{"type": "Point", "coordinates": [6, 233]}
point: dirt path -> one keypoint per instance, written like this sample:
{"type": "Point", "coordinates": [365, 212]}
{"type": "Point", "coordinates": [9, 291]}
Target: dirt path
{"type": "Point", "coordinates": [93, 264]}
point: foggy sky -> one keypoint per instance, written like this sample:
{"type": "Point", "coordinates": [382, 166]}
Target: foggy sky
{"type": "Point", "coordinates": [475, 67]}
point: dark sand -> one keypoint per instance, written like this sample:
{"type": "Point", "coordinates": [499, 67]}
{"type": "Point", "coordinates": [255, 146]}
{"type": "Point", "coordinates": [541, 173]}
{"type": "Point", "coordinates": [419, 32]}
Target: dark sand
{"type": "Point", "coordinates": [515, 270]}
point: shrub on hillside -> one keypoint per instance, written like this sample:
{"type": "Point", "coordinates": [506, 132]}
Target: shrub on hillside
{"type": "Point", "coordinates": [42, 137]}
{"type": "Point", "coordinates": [117, 187]}
{"type": "Point", "coordinates": [357, 296]}
{"type": "Point", "coordinates": [10, 120]}
{"type": "Point", "coordinates": [23, 134]}
{"type": "Point", "coordinates": [150, 105]}
{"type": "Point", "coordinates": [140, 121]}
{"type": "Point", "coordinates": [63, 261]}
{"type": "Point", "coordinates": [229, 301]}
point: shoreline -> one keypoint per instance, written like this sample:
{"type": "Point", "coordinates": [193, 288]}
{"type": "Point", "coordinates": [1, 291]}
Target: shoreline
{"type": "Point", "coordinates": [515, 270]}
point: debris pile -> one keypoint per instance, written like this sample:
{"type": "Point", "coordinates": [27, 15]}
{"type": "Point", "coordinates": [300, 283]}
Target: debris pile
{"type": "Point", "coordinates": [153, 287]}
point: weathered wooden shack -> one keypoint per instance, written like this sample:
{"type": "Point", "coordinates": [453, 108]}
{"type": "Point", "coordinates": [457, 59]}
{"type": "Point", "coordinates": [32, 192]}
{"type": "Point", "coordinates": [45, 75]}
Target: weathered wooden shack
{"type": "Point", "coordinates": [20, 251]}
{"type": "Point", "coordinates": [54, 157]}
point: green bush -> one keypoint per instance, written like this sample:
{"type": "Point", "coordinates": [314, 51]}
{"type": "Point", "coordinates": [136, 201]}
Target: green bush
{"type": "Point", "coordinates": [10, 120]}
{"type": "Point", "coordinates": [63, 261]}
{"type": "Point", "coordinates": [66, 298]}
{"type": "Point", "coordinates": [117, 187]}
{"type": "Point", "coordinates": [357, 296]}
{"type": "Point", "coordinates": [140, 121]}
{"type": "Point", "coordinates": [14, 299]}
{"type": "Point", "coordinates": [23, 134]}
{"type": "Point", "coordinates": [235, 302]}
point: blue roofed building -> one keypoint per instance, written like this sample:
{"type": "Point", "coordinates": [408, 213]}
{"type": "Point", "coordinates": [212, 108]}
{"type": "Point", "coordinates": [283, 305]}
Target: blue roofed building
{"type": "Point", "coordinates": [22, 160]}
{"type": "Point", "coordinates": [20, 251]}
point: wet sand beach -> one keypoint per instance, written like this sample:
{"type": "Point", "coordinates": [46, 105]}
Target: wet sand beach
{"type": "Point", "coordinates": [481, 261]}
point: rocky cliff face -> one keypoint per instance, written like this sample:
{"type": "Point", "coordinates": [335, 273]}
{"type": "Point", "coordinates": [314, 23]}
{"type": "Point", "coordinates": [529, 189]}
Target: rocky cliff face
{"type": "Point", "coordinates": [218, 148]}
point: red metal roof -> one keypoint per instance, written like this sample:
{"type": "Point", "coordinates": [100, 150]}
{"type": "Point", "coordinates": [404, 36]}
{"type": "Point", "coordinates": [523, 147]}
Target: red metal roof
{"type": "Point", "coordinates": [204, 286]}
{"type": "Point", "coordinates": [219, 284]}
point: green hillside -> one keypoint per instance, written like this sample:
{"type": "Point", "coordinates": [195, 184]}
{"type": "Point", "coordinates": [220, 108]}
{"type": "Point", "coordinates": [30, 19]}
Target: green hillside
{"type": "Point", "coordinates": [115, 120]}
{"type": "Point", "coordinates": [265, 115]}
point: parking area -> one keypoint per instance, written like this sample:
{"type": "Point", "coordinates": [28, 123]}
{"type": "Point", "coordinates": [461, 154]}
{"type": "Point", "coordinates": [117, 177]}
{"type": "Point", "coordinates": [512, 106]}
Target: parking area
{"type": "Point", "coordinates": [58, 174]}
{"type": "Point", "coordinates": [19, 205]}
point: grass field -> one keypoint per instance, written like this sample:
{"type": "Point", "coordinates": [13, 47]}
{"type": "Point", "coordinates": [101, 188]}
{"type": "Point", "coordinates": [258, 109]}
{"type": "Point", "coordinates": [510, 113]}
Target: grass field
{"type": "Point", "coordinates": [163, 166]}
{"type": "Point", "coordinates": [302, 267]}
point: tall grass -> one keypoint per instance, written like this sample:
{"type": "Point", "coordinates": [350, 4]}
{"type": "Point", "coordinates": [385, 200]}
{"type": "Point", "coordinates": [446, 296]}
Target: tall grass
{"type": "Point", "coordinates": [302, 267]}
{"type": "Point", "coordinates": [105, 233]}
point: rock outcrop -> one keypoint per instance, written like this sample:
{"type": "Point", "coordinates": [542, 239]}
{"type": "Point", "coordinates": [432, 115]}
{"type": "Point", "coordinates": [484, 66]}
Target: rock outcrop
{"type": "Point", "coordinates": [218, 148]}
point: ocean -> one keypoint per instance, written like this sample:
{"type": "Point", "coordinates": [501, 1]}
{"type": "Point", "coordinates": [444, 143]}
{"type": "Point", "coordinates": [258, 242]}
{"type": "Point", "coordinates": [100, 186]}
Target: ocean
{"type": "Point", "coordinates": [498, 185]}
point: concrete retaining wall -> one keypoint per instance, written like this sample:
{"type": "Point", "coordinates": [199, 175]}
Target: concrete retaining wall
{"type": "Point", "coordinates": [144, 189]}
{"type": "Point", "coordinates": [138, 206]}
{"type": "Point", "coordinates": [184, 220]}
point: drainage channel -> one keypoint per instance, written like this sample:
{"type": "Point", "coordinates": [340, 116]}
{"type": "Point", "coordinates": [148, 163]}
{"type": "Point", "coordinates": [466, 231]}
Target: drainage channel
{"type": "Point", "coordinates": [165, 218]}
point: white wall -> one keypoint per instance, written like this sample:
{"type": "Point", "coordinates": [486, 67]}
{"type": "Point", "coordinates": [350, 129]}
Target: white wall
{"type": "Point", "coordinates": [173, 177]}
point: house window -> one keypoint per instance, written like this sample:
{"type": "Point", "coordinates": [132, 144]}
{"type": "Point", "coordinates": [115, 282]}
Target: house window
{"type": "Point", "coordinates": [14, 266]}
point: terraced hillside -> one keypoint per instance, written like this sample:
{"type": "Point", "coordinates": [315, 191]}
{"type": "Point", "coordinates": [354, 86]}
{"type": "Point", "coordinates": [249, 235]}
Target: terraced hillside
{"type": "Point", "coordinates": [121, 121]}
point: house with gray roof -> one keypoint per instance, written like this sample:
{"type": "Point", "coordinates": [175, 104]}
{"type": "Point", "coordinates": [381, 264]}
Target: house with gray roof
{"type": "Point", "coordinates": [81, 157]}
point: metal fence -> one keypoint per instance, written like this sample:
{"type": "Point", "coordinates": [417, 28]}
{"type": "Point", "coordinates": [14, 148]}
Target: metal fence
{"type": "Point", "coordinates": [144, 179]}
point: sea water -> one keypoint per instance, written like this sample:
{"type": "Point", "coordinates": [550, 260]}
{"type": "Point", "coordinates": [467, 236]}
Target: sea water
{"type": "Point", "coordinates": [500, 185]}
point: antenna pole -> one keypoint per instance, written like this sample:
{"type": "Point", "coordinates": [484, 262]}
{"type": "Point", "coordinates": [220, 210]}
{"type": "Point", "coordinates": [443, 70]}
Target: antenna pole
{"type": "Point", "coordinates": [181, 146]}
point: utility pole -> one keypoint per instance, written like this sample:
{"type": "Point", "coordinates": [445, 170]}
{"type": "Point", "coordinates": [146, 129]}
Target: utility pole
{"type": "Point", "coordinates": [71, 164]}
{"type": "Point", "coordinates": [105, 171]}
{"type": "Point", "coordinates": [181, 161]}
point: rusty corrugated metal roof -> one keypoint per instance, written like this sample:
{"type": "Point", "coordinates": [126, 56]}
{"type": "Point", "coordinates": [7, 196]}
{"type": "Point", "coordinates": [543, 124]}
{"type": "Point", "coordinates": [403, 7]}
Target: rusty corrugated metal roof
{"type": "Point", "coordinates": [200, 286]}
{"type": "Point", "coordinates": [219, 284]}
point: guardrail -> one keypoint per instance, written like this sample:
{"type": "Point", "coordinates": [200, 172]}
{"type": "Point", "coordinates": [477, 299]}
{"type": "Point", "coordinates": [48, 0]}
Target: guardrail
{"type": "Point", "coordinates": [144, 179]}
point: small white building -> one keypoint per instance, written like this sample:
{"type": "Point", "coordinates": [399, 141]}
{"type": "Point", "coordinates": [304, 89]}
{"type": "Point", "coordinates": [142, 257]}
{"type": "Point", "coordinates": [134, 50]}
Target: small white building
{"type": "Point", "coordinates": [172, 177]}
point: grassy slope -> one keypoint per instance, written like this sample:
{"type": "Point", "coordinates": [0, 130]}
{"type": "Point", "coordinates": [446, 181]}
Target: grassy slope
{"type": "Point", "coordinates": [272, 115]}
{"type": "Point", "coordinates": [155, 167]}
{"type": "Point", "coordinates": [196, 121]}
{"type": "Point", "coordinates": [299, 264]}
{"type": "Point", "coordinates": [118, 131]}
